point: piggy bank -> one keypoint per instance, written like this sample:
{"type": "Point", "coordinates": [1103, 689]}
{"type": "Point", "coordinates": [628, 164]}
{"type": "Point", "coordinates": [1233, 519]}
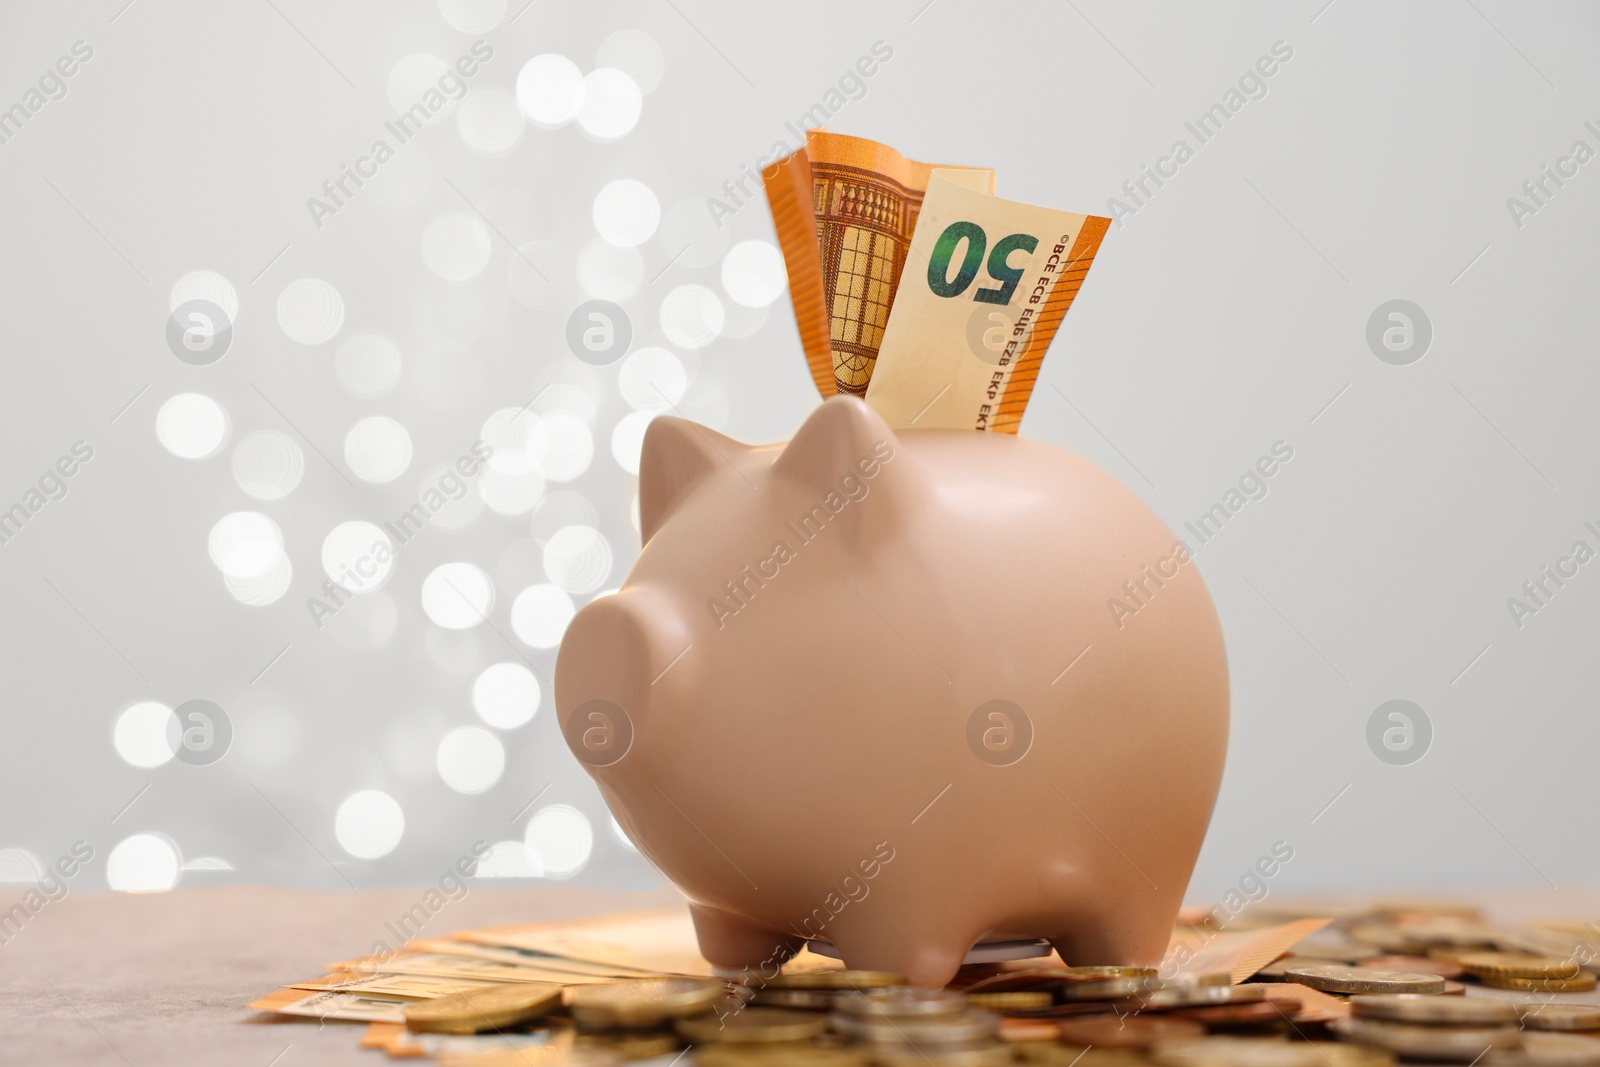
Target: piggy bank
{"type": "Point", "coordinates": [905, 692]}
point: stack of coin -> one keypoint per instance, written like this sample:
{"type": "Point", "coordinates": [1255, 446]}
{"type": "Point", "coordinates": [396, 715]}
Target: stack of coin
{"type": "Point", "coordinates": [1544, 1049]}
{"type": "Point", "coordinates": [754, 1026]}
{"type": "Point", "coordinates": [1338, 978]}
{"type": "Point", "coordinates": [907, 1027]}
{"type": "Point", "coordinates": [1264, 1052]}
{"type": "Point", "coordinates": [1428, 1027]}
{"type": "Point", "coordinates": [815, 991]}
{"type": "Point", "coordinates": [495, 1007]}
{"type": "Point", "coordinates": [1537, 1015]}
{"type": "Point", "coordinates": [1519, 970]}
{"type": "Point", "coordinates": [634, 1018]}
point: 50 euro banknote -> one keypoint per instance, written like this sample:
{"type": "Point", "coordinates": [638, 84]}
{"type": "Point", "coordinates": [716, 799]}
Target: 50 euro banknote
{"type": "Point", "coordinates": [984, 290]}
{"type": "Point", "coordinates": [844, 209]}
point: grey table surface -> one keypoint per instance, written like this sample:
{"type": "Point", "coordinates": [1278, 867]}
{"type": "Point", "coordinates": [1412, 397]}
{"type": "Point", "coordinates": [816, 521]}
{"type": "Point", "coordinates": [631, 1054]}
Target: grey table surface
{"type": "Point", "coordinates": [163, 979]}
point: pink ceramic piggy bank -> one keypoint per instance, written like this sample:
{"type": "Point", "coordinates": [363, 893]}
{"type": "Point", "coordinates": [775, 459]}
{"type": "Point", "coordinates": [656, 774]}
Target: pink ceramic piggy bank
{"type": "Point", "coordinates": [904, 692]}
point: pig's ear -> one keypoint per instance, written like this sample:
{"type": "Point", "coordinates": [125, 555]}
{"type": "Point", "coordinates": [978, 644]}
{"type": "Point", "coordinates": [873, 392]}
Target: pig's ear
{"type": "Point", "coordinates": [844, 447]}
{"type": "Point", "coordinates": [677, 456]}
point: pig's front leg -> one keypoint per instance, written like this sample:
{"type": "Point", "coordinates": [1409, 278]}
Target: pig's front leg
{"type": "Point", "coordinates": [735, 945]}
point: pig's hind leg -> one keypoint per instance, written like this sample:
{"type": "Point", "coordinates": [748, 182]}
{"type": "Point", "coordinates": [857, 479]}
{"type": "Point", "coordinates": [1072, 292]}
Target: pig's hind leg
{"type": "Point", "coordinates": [1115, 939]}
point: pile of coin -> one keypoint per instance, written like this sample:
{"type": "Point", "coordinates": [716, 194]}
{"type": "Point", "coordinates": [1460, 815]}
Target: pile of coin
{"type": "Point", "coordinates": [906, 1026]}
{"type": "Point", "coordinates": [1408, 982]}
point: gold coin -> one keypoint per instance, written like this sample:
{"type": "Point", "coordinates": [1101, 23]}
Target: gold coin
{"type": "Point", "coordinates": [722, 1054]}
{"type": "Point", "coordinates": [639, 1002]}
{"type": "Point", "coordinates": [1549, 1050]}
{"type": "Point", "coordinates": [532, 1056]}
{"type": "Point", "coordinates": [1433, 1010]}
{"type": "Point", "coordinates": [631, 1046]}
{"type": "Point", "coordinates": [1021, 1000]}
{"type": "Point", "coordinates": [1537, 1016]}
{"type": "Point", "coordinates": [753, 1026]}
{"type": "Point", "coordinates": [1051, 1054]}
{"type": "Point", "coordinates": [1098, 973]}
{"type": "Point", "coordinates": [1020, 1028]}
{"type": "Point", "coordinates": [1331, 978]}
{"type": "Point", "coordinates": [1518, 965]}
{"type": "Point", "coordinates": [486, 1008]}
{"type": "Point", "coordinates": [801, 999]}
{"type": "Point", "coordinates": [1408, 1041]}
{"type": "Point", "coordinates": [900, 1002]}
{"type": "Point", "coordinates": [1580, 984]}
{"type": "Point", "coordinates": [1199, 996]}
{"type": "Point", "coordinates": [1264, 1052]}
{"type": "Point", "coordinates": [833, 980]}
{"type": "Point", "coordinates": [985, 1056]}
{"type": "Point", "coordinates": [962, 1028]}
{"type": "Point", "coordinates": [1122, 988]}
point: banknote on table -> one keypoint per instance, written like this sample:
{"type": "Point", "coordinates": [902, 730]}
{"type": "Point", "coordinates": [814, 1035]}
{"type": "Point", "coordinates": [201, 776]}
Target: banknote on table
{"type": "Point", "coordinates": [444, 957]}
{"type": "Point", "coordinates": [653, 942]}
{"type": "Point", "coordinates": [861, 200]}
{"type": "Point", "coordinates": [395, 986]}
{"type": "Point", "coordinates": [988, 284]}
{"type": "Point", "coordinates": [349, 1007]}
{"type": "Point", "coordinates": [1239, 953]}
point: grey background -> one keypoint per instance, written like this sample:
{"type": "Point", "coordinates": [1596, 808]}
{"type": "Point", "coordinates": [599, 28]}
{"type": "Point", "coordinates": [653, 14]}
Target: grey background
{"type": "Point", "coordinates": [1227, 314]}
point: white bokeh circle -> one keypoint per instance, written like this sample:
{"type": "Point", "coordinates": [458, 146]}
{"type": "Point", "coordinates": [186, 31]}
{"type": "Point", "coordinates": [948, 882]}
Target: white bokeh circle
{"type": "Point", "coordinates": [457, 595]}
{"type": "Point", "coordinates": [367, 365]}
{"type": "Point", "coordinates": [609, 104]}
{"type": "Point", "coordinates": [244, 544]}
{"type": "Point", "coordinates": [549, 90]}
{"type": "Point", "coordinates": [627, 439]}
{"type": "Point", "coordinates": [577, 559]}
{"type": "Point", "coordinates": [540, 614]}
{"type": "Point", "coordinates": [140, 734]}
{"type": "Point", "coordinates": [505, 695]}
{"type": "Point", "coordinates": [472, 16]}
{"type": "Point", "coordinates": [626, 212]}
{"type": "Point", "coordinates": [652, 379]}
{"type": "Point", "coordinates": [143, 863]}
{"type": "Point", "coordinates": [192, 426]}
{"type": "Point", "coordinates": [268, 464]}
{"type": "Point", "coordinates": [691, 316]}
{"type": "Point", "coordinates": [490, 123]}
{"type": "Point", "coordinates": [369, 824]}
{"type": "Point", "coordinates": [377, 449]}
{"type": "Point", "coordinates": [560, 838]}
{"type": "Point", "coordinates": [570, 449]}
{"type": "Point", "coordinates": [470, 759]}
{"type": "Point", "coordinates": [205, 285]}
{"type": "Point", "coordinates": [310, 311]}
{"type": "Point", "coordinates": [357, 555]}
{"type": "Point", "coordinates": [753, 274]}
